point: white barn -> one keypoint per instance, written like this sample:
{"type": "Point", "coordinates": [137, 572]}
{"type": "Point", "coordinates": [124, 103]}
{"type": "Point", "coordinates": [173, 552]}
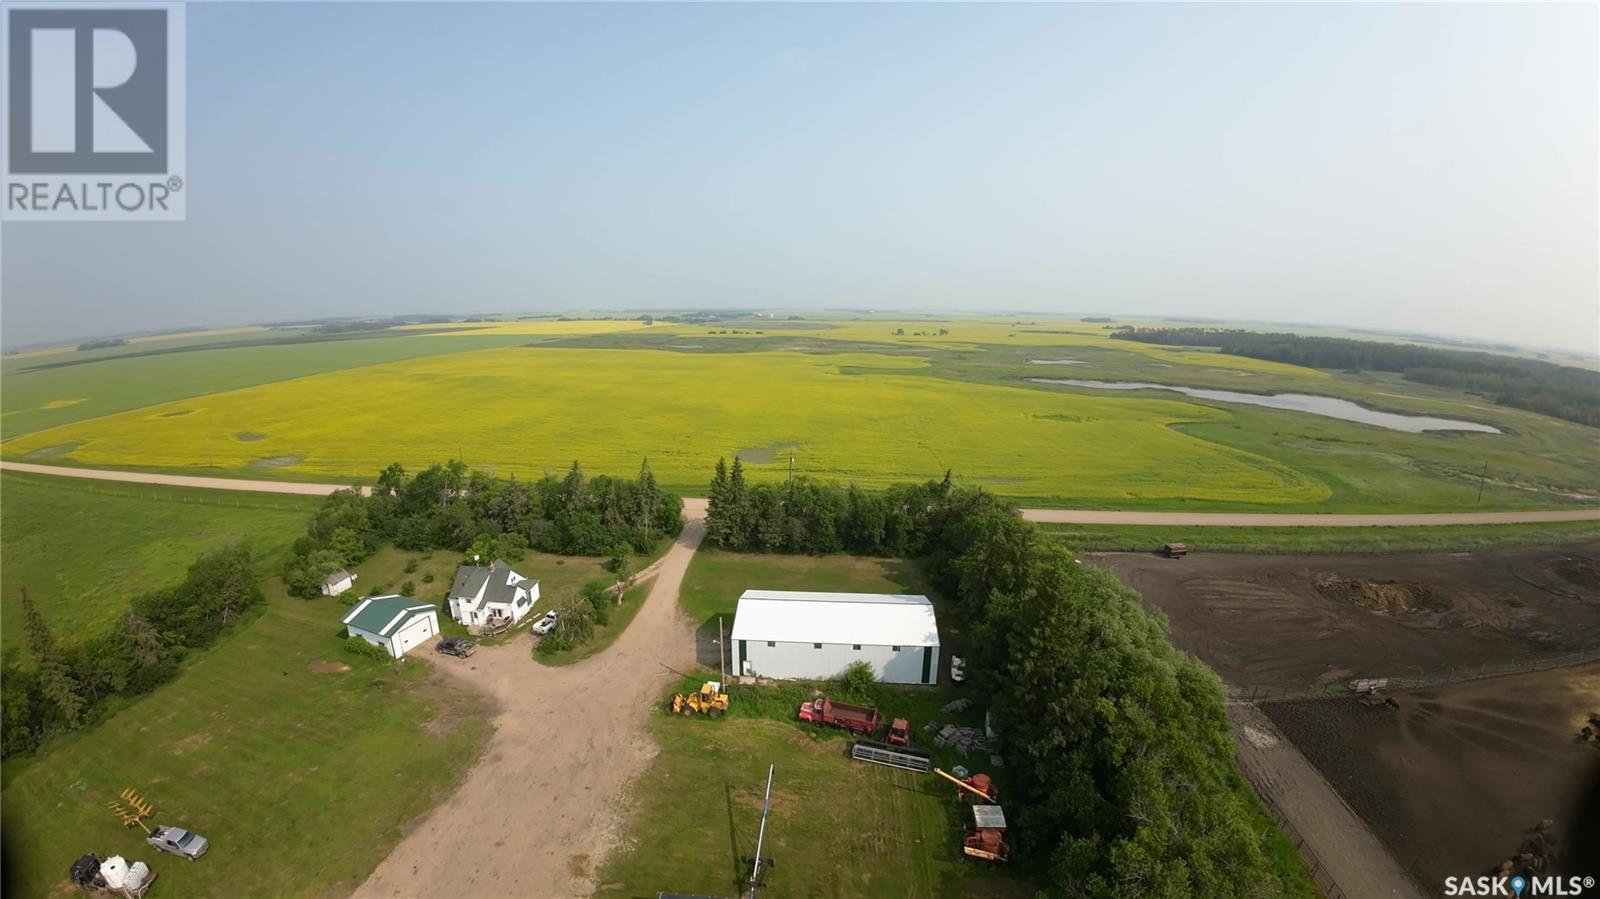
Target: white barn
{"type": "Point", "coordinates": [788, 634]}
{"type": "Point", "coordinates": [397, 623]}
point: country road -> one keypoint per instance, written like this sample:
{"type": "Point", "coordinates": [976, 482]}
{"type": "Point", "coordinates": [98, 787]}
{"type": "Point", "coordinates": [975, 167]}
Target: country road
{"type": "Point", "coordinates": [1043, 516]}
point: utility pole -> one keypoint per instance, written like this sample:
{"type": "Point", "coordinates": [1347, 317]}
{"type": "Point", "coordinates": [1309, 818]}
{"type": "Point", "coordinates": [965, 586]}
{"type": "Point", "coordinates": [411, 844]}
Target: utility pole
{"type": "Point", "coordinates": [1482, 478]}
{"type": "Point", "coordinates": [722, 651]}
{"type": "Point", "coordinates": [791, 470]}
{"type": "Point", "coordinates": [755, 870]}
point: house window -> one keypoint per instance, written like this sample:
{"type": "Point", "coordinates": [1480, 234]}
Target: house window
{"type": "Point", "coordinates": [816, 646]}
{"type": "Point", "coordinates": [856, 647]}
{"type": "Point", "coordinates": [772, 643]}
{"type": "Point", "coordinates": [895, 648]}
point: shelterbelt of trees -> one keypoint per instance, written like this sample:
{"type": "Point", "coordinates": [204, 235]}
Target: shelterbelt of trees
{"type": "Point", "coordinates": [446, 507]}
{"type": "Point", "coordinates": [1560, 391]}
{"type": "Point", "coordinates": [1119, 742]}
{"type": "Point", "coordinates": [68, 683]}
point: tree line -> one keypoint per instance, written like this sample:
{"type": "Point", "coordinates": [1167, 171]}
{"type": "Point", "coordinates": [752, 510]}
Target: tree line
{"type": "Point", "coordinates": [807, 516]}
{"type": "Point", "coordinates": [445, 506]}
{"type": "Point", "coordinates": [1118, 742]}
{"type": "Point", "coordinates": [67, 683]}
{"type": "Point", "coordinates": [1560, 391]}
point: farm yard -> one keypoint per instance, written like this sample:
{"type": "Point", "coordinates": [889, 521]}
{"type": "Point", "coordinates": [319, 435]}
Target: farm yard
{"type": "Point", "coordinates": [885, 832]}
{"type": "Point", "coordinates": [837, 396]}
{"type": "Point", "coordinates": [1292, 623]}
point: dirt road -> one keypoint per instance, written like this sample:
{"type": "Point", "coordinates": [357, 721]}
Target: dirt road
{"type": "Point", "coordinates": [1043, 516]}
{"type": "Point", "coordinates": [546, 801]}
{"type": "Point", "coordinates": [1345, 849]}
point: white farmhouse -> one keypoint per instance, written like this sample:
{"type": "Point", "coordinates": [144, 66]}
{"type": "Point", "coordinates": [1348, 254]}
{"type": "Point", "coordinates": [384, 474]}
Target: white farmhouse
{"type": "Point", "coordinates": [338, 582]}
{"type": "Point", "coordinates": [785, 634]}
{"type": "Point", "coordinates": [483, 596]}
{"type": "Point", "coordinates": [397, 623]}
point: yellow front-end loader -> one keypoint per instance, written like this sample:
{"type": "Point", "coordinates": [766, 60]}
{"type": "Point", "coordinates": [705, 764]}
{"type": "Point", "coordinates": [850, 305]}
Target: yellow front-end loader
{"type": "Point", "coordinates": [710, 700]}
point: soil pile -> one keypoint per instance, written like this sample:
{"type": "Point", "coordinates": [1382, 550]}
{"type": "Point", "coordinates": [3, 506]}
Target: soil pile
{"type": "Point", "coordinates": [1381, 596]}
{"type": "Point", "coordinates": [1580, 570]}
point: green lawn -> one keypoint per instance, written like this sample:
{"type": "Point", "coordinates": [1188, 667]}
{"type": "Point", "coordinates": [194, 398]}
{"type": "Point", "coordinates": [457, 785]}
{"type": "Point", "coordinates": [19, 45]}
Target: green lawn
{"type": "Point", "coordinates": [1452, 538]}
{"type": "Point", "coordinates": [84, 549]}
{"type": "Point", "coordinates": [838, 827]}
{"type": "Point", "coordinates": [716, 578]}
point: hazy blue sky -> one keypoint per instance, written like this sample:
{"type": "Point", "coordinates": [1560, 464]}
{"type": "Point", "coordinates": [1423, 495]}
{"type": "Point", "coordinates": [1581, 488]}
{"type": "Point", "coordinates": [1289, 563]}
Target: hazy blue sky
{"type": "Point", "coordinates": [1405, 166]}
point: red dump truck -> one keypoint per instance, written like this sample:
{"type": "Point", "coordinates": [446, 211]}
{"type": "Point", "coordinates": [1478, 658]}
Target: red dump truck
{"type": "Point", "coordinates": [855, 718]}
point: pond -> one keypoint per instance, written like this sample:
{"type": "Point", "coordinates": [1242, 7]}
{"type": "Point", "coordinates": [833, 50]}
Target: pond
{"type": "Point", "coordinates": [1327, 406]}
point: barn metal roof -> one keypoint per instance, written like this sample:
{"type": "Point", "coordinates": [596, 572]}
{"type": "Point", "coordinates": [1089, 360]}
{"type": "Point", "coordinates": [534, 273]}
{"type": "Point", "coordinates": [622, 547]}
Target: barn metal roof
{"type": "Point", "coordinates": [870, 619]}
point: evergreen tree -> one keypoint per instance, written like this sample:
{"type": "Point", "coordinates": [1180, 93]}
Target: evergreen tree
{"type": "Point", "coordinates": [648, 499]}
{"type": "Point", "coordinates": [740, 530]}
{"type": "Point", "coordinates": [55, 682]}
{"type": "Point", "coordinates": [717, 505]}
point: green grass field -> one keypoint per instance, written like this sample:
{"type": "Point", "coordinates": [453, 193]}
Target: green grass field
{"type": "Point", "coordinates": [1457, 538]}
{"type": "Point", "coordinates": [301, 774]}
{"type": "Point", "coordinates": [84, 549]}
{"type": "Point", "coordinates": [716, 578]}
{"type": "Point", "coordinates": [838, 828]}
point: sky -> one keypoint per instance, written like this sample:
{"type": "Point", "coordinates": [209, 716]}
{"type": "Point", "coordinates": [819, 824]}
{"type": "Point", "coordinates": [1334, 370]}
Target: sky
{"type": "Point", "coordinates": [1425, 167]}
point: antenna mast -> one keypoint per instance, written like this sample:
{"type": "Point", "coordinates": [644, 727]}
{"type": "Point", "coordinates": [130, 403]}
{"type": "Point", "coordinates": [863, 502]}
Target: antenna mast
{"type": "Point", "coordinates": [755, 870]}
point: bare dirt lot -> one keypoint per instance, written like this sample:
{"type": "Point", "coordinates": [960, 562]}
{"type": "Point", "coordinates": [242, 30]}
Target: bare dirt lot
{"type": "Point", "coordinates": [1297, 622]}
{"type": "Point", "coordinates": [1453, 778]}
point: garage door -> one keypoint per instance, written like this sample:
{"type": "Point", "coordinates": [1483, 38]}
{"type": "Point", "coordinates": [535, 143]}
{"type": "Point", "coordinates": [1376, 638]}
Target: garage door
{"type": "Point", "coordinates": [414, 633]}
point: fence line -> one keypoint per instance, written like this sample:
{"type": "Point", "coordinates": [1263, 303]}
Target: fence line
{"type": "Point", "coordinates": [1314, 866]}
{"type": "Point", "coordinates": [1436, 678]}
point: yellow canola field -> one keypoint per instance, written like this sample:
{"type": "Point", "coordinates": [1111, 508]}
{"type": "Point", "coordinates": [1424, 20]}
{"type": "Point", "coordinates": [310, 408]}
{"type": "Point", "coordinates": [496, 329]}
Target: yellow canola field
{"type": "Point", "coordinates": [530, 410]}
{"type": "Point", "coordinates": [545, 328]}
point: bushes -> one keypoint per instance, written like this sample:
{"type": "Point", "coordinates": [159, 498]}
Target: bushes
{"type": "Point", "coordinates": [359, 646]}
{"type": "Point", "coordinates": [598, 595]}
{"type": "Point", "coordinates": [574, 627]}
{"type": "Point", "coordinates": [859, 684]}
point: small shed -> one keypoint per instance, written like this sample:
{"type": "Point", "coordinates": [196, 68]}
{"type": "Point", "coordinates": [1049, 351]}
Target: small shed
{"type": "Point", "coordinates": [795, 634]}
{"type": "Point", "coordinates": [337, 582]}
{"type": "Point", "coordinates": [397, 623]}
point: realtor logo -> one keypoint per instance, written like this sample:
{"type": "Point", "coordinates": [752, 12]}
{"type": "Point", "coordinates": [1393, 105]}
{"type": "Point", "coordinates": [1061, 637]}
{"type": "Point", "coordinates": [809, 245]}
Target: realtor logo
{"type": "Point", "coordinates": [94, 111]}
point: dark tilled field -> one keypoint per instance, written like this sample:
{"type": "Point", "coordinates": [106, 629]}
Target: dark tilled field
{"type": "Point", "coordinates": [1292, 622]}
{"type": "Point", "coordinates": [1453, 778]}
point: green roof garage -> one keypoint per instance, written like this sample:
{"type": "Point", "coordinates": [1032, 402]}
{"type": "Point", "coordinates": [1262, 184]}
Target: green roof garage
{"type": "Point", "coordinates": [397, 623]}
